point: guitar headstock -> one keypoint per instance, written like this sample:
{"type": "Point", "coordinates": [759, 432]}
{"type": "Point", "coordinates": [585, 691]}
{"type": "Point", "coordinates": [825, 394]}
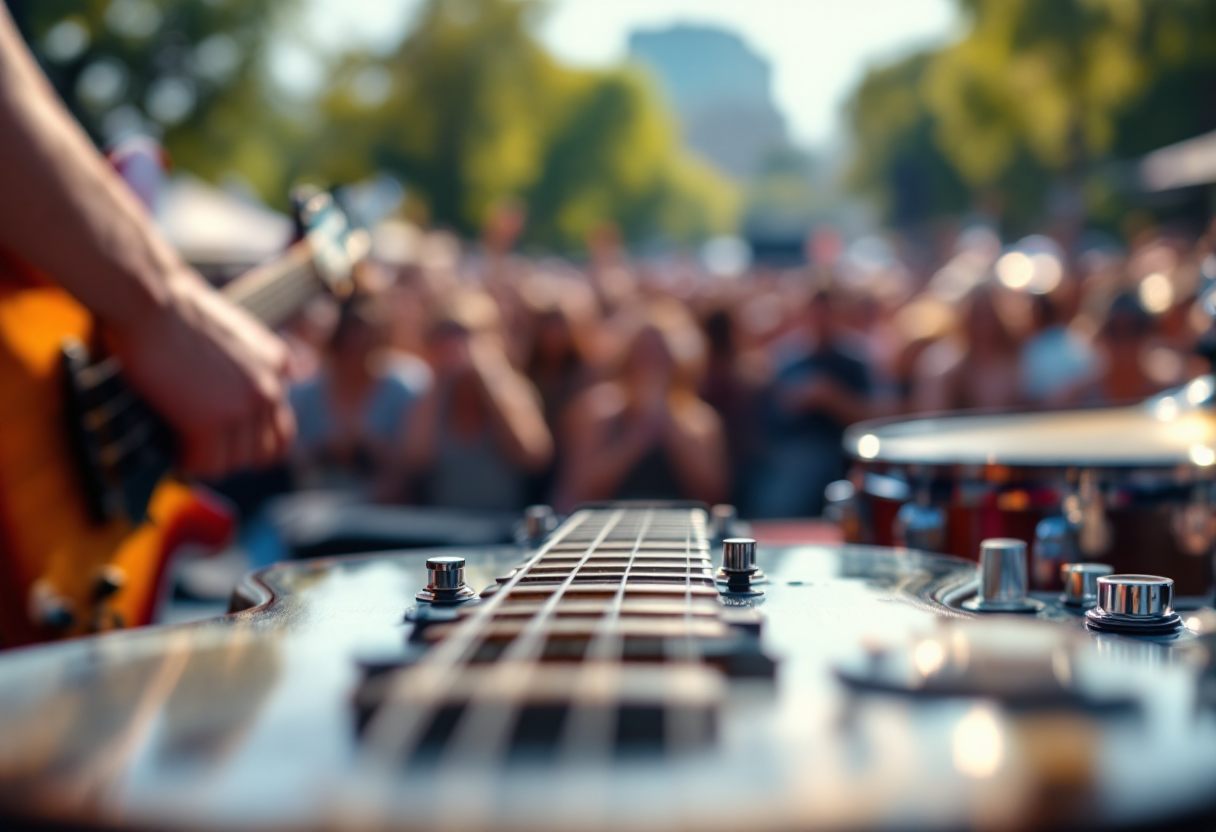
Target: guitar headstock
{"type": "Point", "coordinates": [337, 245]}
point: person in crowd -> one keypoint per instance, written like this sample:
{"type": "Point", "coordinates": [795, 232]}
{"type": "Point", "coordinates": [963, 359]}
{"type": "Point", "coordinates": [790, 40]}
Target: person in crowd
{"type": "Point", "coordinates": [353, 413]}
{"type": "Point", "coordinates": [979, 367]}
{"type": "Point", "coordinates": [820, 386]}
{"type": "Point", "coordinates": [1122, 341]}
{"type": "Point", "coordinates": [559, 360]}
{"type": "Point", "coordinates": [480, 432]}
{"type": "Point", "coordinates": [558, 363]}
{"type": "Point", "coordinates": [1056, 362]}
{"type": "Point", "coordinates": [646, 434]}
{"type": "Point", "coordinates": [732, 386]}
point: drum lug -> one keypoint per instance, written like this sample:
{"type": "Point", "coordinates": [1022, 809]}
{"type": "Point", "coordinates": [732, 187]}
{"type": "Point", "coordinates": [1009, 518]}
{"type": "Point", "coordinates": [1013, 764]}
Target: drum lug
{"type": "Point", "coordinates": [1055, 544]}
{"type": "Point", "coordinates": [1094, 532]}
{"type": "Point", "coordinates": [920, 526]}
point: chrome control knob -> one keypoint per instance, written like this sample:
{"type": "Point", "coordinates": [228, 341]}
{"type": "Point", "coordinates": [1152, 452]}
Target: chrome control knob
{"type": "Point", "coordinates": [739, 554]}
{"type": "Point", "coordinates": [1081, 583]}
{"type": "Point", "coordinates": [1135, 605]}
{"type": "Point", "coordinates": [1137, 595]}
{"type": "Point", "coordinates": [445, 581]}
{"type": "Point", "coordinates": [739, 565]}
{"type": "Point", "coordinates": [1003, 578]}
{"type": "Point", "coordinates": [539, 521]}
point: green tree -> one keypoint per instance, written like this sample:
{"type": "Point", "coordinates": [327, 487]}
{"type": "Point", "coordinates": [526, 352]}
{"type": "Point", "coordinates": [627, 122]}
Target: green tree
{"type": "Point", "coordinates": [188, 70]}
{"type": "Point", "coordinates": [1037, 93]}
{"type": "Point", "coordinates": [471, 109]}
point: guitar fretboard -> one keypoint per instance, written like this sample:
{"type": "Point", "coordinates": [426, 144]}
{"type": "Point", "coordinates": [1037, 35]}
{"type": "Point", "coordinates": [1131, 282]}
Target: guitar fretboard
{"type": "Point", "coordinates": [612, 636]}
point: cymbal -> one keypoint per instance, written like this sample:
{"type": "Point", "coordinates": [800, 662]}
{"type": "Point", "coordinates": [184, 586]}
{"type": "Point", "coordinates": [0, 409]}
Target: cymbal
{"type": "Point", "coordinates": [1172, 429]}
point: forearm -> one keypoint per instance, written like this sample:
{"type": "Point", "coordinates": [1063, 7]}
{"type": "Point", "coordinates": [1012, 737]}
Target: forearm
{"type": "Point", "coordinates": [516, 415]}
{"type": "Point", "coordinates": [57, 188]}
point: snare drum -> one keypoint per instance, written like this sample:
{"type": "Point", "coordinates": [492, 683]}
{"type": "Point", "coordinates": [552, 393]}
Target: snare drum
{"type": "Point", "coordinates": [1133, 487]}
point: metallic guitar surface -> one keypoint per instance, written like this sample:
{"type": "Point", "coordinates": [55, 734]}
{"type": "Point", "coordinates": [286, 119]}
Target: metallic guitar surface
{"type": "Point", "coordinates": [246, 722]}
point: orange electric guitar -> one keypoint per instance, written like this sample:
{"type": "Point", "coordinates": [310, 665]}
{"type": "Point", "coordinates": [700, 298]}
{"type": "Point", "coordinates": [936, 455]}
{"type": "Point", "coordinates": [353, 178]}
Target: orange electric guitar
{"type": "Point", "coordinates": [88, 516]}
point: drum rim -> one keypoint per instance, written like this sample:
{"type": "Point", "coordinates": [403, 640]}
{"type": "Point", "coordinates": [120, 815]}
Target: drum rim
{"type": "Point", "coordinates": [1168, 466]}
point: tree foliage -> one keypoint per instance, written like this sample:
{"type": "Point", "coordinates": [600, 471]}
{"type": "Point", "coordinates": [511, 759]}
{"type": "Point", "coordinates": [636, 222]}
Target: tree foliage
{"type": "Point", "coordinates": [188, 70]}
{"type": "Point", "coordinates": [1037, 92]}
{"type": "Point", "coordinates": [470, 109]}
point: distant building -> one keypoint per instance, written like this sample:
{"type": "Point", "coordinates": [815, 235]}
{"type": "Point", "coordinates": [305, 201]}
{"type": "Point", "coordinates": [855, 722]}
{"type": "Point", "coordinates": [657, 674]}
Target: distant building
{"type": "Point", "coordinates": [720, 88]}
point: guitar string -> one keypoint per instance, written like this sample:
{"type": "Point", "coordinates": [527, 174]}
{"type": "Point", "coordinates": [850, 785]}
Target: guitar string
{"type": "Point", "coordinates": [412, 700]}
{"type": "Point", "coordinates": [249, 285]}
{"type": "Point", "coordinates": [679, 733]}
{"type": "Point", "coordinates": [497, 703]}
{"type": "Point", "coordinates": [589, 723]}
{"type": "Point", "coordinates": [483, 728]}
{"type": "Point", "coordinates": [397, 727]}
{"type": "Point", "coordinates": [275, 302]}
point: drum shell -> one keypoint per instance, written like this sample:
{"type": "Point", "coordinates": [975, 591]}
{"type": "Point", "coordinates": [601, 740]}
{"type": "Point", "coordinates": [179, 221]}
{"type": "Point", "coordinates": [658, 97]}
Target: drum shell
{"type": "Point", "coordinates": [1153, 521]}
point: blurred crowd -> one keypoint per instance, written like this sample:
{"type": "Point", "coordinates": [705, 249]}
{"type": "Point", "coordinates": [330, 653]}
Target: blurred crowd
{"type": "Point", "coordinates": [471, 377]}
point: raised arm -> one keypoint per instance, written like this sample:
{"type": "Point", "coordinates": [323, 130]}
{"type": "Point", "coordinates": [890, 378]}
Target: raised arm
{"type": "Point", "coordinates": [514, 407]}
{"type": "Point", "coordinates": [209, 369]}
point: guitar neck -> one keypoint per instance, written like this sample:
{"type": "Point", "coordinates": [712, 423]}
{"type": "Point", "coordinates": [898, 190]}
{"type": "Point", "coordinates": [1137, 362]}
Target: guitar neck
{"type": "Point", "coordinates": [275, 291]}
{"type": "Point", "coordinates": [612, 632]}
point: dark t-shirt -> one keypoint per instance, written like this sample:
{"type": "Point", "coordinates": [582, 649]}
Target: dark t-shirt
{"type": "Point", "coordinates": [838, 362]}
{"type": "Point", "coordinates": [803, 450]}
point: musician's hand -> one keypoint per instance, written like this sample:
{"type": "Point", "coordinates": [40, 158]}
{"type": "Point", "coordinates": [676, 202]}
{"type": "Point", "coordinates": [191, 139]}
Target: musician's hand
{"type": "Point", "coordinates": [215, 374]}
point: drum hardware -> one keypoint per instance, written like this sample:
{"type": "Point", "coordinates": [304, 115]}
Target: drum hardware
{"type": "Point", "coordinates": [1094, 532]}
{"type": "Point", "coordinates": [1081, 583]}
{"type": "Point", "coordinates": [1126, 486]}
{"type": "Point", "coordinates": [919, 524]}
{"type": "Point", "coordinates": [738, 572]}
{"type": "Point", "coordinates": [1054, 546]}
{"type": "Point", "coordinates": [1135, 605]}
{"type": "Point", "coordinates": [445, 581]}
{"type": "Point", "coordinates": [840, 507]}
{"type": "Point", "coordinates": [1004, 582]}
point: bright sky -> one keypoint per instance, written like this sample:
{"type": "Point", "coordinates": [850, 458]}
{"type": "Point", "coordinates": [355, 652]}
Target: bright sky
{"type": "Point", "coordinates": [819, 49]}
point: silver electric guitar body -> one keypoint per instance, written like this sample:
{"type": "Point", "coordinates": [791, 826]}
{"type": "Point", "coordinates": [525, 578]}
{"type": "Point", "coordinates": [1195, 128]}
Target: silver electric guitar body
{"type": "Point", "coordinates": [607, 677]}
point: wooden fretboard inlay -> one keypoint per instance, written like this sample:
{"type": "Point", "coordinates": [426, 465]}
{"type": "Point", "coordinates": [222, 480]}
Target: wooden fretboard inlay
{"type": "Point", "coordinates": [612, 638]}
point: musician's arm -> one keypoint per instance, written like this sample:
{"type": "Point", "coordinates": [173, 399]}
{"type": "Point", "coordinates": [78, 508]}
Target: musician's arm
{"type": "Point", "coordinates": [212, 372]}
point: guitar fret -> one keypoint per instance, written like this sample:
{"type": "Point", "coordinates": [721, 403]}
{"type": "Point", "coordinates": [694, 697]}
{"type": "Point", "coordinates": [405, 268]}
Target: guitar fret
{"type": "Point", "coordinates": [620, 566]}
{"type": "Point", "coordinates": [639, 627]}
{"type": "Point", "coordinates": [700, 608]}
{"type": "Point", "coordinates": [610, 589]}
{"type": "Point", "coordinates": [704, 578]}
